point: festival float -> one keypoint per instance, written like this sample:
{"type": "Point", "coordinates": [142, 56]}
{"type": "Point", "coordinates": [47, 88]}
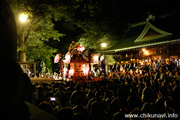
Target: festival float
{"type": "Point", "coordinates": [76, 63]}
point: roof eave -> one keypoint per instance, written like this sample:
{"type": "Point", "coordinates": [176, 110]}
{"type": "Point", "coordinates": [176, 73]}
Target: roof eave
{"type": "Point", "coordinates": [146, 45]}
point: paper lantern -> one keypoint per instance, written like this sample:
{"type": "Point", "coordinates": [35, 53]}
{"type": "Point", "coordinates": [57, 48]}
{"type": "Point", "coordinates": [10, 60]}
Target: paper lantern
{"type": "Point", "coordinates": [71, 72]}
{"type": "Point", "coordinates": [67, 57]}
{"type": "Point", "coordinates": [95, 58]}
{"type": "Point", "coordinates": [56, 59]}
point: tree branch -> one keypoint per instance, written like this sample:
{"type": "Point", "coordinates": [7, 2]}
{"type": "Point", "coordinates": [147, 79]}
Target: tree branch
{"type": "Point", "coordinates": [41, 18]}
{"type": "Point", "coordinates": [28, 32]}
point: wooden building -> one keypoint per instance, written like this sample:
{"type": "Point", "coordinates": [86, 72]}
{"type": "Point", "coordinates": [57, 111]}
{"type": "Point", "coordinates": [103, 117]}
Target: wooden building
{"type": "Point", "coordinates": [146, 41]}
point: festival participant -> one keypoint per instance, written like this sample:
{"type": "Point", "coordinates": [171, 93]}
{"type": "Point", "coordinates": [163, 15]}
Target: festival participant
{"type": "Point", "coordinates": [102, 68]}
{"type": "Point", "coordinates": [61, 57]}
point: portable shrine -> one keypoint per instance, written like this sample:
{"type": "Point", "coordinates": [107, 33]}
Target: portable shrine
{"type": "Point", "coordinates": [79, 67]}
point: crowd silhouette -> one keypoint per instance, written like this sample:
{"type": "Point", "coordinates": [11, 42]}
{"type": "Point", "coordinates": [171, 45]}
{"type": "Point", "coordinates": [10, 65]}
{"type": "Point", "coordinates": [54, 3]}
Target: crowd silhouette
{"type": "Point", "coordinates": [154, 91]}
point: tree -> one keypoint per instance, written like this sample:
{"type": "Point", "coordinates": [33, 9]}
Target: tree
{"type": "Point", "coordinates": [71, 32]}
{"type": "Point", "coordinates": [90, 21]}
{"type": "Point", "coordinates": [101, 19]}
{"type": "Point", "coordinates": [37, 29]}
{"type": "Point", "coordinates": [41, 53]}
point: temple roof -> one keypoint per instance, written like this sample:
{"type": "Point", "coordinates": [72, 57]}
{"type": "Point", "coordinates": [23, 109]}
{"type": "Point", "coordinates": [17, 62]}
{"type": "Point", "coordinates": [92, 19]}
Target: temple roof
{"type": "Point", "coordinates": [141, 35]}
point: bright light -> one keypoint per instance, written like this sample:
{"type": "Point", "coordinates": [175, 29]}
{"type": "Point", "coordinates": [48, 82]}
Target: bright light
{"type": "Point", "coordinates": [23, 17]}
{"type": "Point", "coordinates": [86, 71]}
{"type": "Point", "coordinates": [146, 52]}
{"type": "Point", "coordinates": [143, 49]}
{"type": "Point", "coordinates": [71, 72]}
{"type": "Point", "coordinates": [103, 45]}
{"type": "Point", "coordinates": [67, 57]}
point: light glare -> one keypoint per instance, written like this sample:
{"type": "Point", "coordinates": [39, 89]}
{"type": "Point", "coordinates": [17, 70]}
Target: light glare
{"type": "Point", "coordinates": [103, 44]}
{"type": "Point", "coordinates": [23, 17]}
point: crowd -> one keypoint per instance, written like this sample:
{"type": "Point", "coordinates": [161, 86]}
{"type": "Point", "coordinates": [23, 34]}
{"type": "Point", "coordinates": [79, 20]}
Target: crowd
{"type": "Point", "coordinates": [147, 90]}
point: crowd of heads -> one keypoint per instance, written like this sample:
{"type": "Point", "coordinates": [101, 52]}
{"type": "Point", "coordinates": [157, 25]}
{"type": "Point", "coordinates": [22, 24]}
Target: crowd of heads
{"type": "Point", "coordinates": [133, 90]}
{"type": "Point", "coordinates": [154, 91]}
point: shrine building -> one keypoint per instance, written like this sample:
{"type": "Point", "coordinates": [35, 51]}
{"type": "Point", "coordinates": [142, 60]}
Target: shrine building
{"type": "Point", "coordinates": [146, 41]}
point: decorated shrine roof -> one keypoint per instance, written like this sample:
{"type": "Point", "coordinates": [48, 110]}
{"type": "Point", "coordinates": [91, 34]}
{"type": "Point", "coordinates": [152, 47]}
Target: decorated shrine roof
{"type": "Point", "coordinates": [78, 57]}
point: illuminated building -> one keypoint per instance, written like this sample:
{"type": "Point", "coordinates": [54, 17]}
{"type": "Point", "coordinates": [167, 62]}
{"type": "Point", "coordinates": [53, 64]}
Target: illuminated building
{"type": "Point", "coordinates": [146, 41]}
